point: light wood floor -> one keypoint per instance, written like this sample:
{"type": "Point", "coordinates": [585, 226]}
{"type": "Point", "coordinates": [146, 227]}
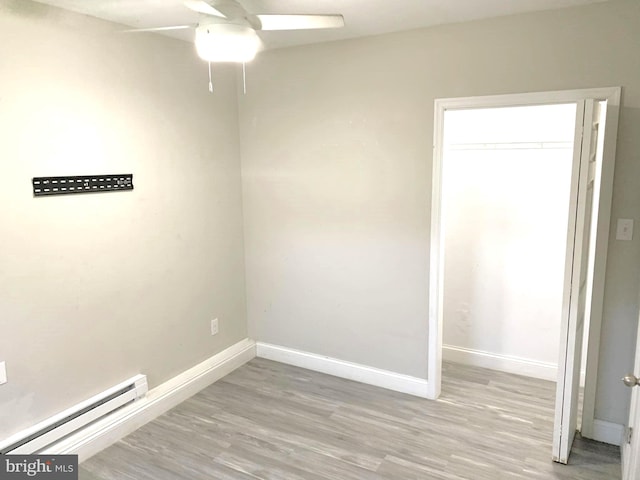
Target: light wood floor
{"type": "Point", "coordinates": [272, 421]}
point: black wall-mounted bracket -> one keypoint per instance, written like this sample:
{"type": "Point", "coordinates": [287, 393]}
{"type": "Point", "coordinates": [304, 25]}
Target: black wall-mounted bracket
{"type": "Point", "coordinates": [81, 184]}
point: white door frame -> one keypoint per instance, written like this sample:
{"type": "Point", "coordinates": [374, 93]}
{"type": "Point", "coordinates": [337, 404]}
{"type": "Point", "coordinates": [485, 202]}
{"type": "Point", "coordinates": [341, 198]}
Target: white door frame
{"type": "Point", "coordinates": [436, 273]}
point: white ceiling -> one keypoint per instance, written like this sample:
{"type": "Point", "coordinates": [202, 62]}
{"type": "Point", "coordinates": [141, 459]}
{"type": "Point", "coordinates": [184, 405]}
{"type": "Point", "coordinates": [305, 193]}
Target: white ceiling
{"type": "Point", "coordinates": [362, 17]}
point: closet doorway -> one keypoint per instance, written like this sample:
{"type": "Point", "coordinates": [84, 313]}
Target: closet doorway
{"type": "Point", "coordinates": [520, 218]}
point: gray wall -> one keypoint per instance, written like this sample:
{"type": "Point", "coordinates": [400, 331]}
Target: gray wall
{"type": "Point", "coordinates": [336, 157]}
{"type": "Point", "coordinates": [97, 288]}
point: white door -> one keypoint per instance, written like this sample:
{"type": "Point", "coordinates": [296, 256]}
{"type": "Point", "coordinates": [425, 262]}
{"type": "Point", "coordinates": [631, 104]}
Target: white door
{"type": "Point", "coordinates": [575, 295]}
{"type": "Point", "coordinates": [631, 445]}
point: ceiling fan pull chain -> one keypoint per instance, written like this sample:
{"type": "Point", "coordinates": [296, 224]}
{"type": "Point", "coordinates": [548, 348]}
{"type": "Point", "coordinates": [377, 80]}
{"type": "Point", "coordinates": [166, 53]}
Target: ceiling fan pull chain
{"type": "Point", "coordinates": [210, 80]}
{"type": "Point", "coordinates": [244, 78]}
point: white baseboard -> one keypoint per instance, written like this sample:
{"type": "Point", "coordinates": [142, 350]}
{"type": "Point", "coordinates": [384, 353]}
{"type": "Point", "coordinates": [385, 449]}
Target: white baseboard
{"type": "Point", "coordinates": [105, 432]}
{"type": "Point", "coordinates": [503, 363]}
{"type": "Point", "coordinates": [608, 432]}
{"type": "Point", "coordinates": [340, 368]}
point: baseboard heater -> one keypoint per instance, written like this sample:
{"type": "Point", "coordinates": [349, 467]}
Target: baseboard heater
{"type": "Point", "coordinates": [49, 431]}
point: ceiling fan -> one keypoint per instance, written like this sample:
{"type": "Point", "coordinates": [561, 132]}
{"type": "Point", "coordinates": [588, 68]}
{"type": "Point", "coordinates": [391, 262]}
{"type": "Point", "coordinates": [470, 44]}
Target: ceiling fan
{"type": "Point", "coordinates": [227, 32]}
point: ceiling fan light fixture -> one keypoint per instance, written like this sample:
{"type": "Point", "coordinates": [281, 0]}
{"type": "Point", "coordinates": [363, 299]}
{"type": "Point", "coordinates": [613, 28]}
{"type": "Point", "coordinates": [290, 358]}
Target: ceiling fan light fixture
{"type": "Point", "coordinates": [226, 42]}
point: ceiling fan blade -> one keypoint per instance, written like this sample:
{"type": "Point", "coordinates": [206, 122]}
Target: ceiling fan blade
{"type": "Point", "coordinates": [299, 22]}
{"type": "Point", "coordinates": [159, 29]}
{"type": "Point", "coordinates": [201, 6]}
{"type": "Point", "coordinates": [231, 9]}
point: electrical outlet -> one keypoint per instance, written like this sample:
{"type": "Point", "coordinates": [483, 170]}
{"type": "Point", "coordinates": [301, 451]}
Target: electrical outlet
{"type": "Point", "coordinates": [3, 373]}
{"type": "Point", "coordinates": [214, 326]}
{"type": "Point", "coordinates": [624, 230]}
